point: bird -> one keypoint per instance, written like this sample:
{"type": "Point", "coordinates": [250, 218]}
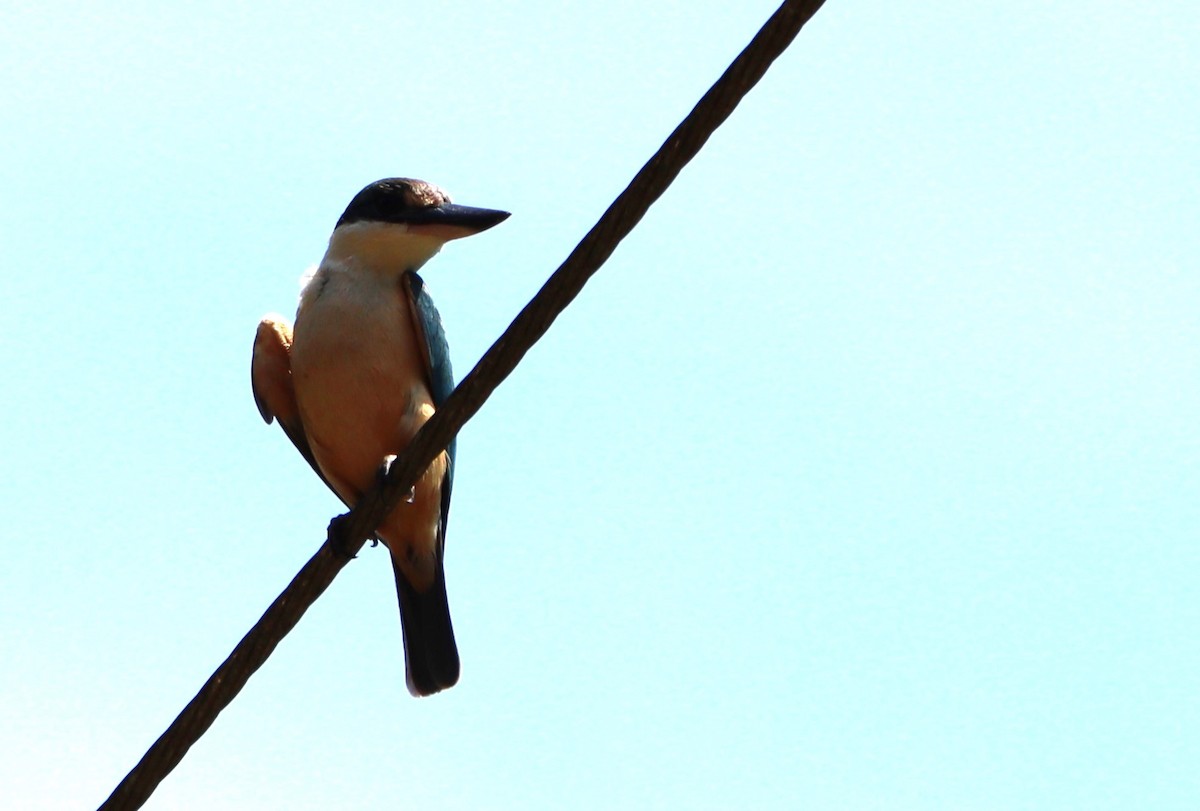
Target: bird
{"type": "Point", "coordinates": [365, 365]}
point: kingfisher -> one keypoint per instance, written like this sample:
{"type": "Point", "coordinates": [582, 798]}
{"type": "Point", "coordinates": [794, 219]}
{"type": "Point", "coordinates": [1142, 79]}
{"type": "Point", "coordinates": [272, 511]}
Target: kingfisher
{"type": "Point", "coordinates": [364, 367]}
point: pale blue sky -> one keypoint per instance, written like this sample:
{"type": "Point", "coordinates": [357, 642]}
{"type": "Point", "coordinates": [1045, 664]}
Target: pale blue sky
{"type": "Point", "coordinates": [863, 476]}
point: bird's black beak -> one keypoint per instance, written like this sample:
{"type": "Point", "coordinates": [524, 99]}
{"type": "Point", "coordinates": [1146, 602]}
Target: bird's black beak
{"type": "Point", "coordinates": [462, 220]}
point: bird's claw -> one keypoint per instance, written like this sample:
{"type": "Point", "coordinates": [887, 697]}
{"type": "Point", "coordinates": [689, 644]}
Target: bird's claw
{"type": "Point", "coordinates": [336, 536]}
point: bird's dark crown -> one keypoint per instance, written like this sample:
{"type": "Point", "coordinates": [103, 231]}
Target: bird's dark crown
{"type": "Point", "coordinates": [394, 199]}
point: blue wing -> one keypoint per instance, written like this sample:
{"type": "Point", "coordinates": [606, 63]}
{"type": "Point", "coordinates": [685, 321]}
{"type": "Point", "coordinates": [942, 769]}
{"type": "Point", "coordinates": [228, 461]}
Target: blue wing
{"type": "Point", "coordinates": [441, 376]}
{"type": "Point", "coordinates": [430, 654]}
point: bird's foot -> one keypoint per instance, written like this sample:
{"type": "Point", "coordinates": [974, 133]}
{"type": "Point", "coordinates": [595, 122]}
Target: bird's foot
{"type": "Point", "coordinates": [337, 536]}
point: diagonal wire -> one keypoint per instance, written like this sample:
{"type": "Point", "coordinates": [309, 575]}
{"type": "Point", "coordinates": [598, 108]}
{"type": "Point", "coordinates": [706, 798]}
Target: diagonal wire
{"type": "Point", "coordinates": [498, 362]}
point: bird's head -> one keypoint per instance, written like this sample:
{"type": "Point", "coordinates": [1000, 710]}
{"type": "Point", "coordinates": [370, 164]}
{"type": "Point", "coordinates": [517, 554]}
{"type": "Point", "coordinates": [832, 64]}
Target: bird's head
{"type": "Point", "coordinates": [404, 222]}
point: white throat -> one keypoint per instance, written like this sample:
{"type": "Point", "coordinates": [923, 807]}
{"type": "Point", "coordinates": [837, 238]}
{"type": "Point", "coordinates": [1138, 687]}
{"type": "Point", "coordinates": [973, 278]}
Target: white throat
{"type": "Point", "coordinates": [388, 248]}
{"type": "Point", "coordinates": [364, 260]}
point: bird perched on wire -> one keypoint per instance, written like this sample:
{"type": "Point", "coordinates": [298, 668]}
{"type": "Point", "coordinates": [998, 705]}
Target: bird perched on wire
{"type": "Point", "coordinates": [363, 369]}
